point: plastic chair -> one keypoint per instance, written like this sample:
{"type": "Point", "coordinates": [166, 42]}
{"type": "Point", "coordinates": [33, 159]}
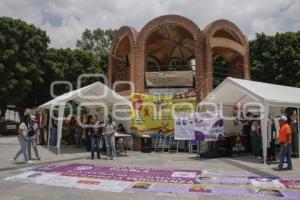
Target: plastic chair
{"type": "Point", "coordinates": [193, 143]}
{"type": "Point", "coordinates": [160, 142]}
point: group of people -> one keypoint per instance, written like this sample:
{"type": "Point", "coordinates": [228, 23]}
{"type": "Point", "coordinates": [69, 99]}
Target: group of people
{"type": "Point", "coordinates": [27, 134]}
{"type": "Point", "coordinates": [284, 140]}
{"type": "Point", "coordinates": [90, 131]}
{"type": "Point", "coordinates": [95, 130]}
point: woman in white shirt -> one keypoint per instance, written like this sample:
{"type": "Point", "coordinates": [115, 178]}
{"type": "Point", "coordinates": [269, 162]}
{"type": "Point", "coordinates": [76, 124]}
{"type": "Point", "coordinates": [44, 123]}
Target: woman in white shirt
{"type": "Point", "coordinates": [22, 137]}
{"type": "Point", "coordinates": [109, 134]}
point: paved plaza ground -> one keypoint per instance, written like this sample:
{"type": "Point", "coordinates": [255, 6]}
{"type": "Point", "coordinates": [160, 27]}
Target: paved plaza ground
{"type": "Point", "coordinates": [180, 161]}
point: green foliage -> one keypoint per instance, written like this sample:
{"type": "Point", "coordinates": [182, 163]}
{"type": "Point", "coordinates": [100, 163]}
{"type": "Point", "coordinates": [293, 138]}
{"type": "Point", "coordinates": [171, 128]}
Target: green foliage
{"type": "Point", "coordinates": [221, 70]}
{"type": "Point", "coordinates": [22, 47]}
{"type": "Point", "coordinates": [67, 65]}
{"type": "Point", "coordinates": [97, 41]}
{"type": "Point", "coordinates": [28, 67]}
{"type": "Point", "coordinates": [276, 59]}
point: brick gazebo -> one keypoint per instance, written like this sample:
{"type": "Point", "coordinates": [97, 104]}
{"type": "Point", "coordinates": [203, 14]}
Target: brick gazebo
{"type": "Point", "coordinates": [175, 46]}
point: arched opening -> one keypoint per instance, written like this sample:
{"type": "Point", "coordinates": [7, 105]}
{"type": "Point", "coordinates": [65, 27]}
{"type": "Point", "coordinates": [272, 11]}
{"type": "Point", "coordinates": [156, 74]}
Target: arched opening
{"type": "Point", "coordinates": [153, 64]}
{"type": "Point", "coordinates": [220, 69]}
{"type": "Point", "coordinates": [121, 64]}
{"type": "Point", "coordinates": [174, 64]}
{"type": "Point", "coordinates": [168, 52]}
{"type": "Point", "coordinates": [227, 56]}
{"type": "Point", "coordinates": [226, 63]}
{"type": "Point", "coordinates": [223, 33]}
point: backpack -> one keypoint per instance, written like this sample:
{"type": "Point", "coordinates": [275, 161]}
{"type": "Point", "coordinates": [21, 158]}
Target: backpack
{"type": "Point", "coordinates": [31, 132]}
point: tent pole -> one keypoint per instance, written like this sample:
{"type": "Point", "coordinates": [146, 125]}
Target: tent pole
{"type": "Point", "coordinates": [264, 131]}
{"type": "Point", "coordinates": [49, 130]}
{"type": "Point", "coordinates": [298, 132]}
{"type": "Point", "coordinates": [59, 125]}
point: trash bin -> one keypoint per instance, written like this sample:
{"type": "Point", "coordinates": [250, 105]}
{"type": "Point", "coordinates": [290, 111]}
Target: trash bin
{"type": "Point", "coordinates": [146, 144]}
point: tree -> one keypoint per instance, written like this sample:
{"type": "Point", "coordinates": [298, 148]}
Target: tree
{"type": "Point", "coordinates": [97, 41]}
{"type": "Point", "coordinates": [276, 59]}
{"type": "Point", "coordinates": [22, 47]}
{"type": "Point", "coordinates": [66, 65]}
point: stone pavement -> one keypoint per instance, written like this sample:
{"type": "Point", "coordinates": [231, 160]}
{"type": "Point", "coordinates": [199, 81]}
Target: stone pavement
{"type": "Point", "coordinates": [9, 146]}
{"type": "Point", "coordinates": [17, 190]}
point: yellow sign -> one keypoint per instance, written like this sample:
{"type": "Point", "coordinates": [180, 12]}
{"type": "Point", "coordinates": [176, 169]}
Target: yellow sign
{"type": "Point", "coordinates": [155, 114]}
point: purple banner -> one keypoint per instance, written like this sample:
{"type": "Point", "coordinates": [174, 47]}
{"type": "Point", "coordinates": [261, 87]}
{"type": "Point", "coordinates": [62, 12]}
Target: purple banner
{"type": "Point", "coordinates": [125, 173]}
{"type": "Point", "coordinates": [241, 192]}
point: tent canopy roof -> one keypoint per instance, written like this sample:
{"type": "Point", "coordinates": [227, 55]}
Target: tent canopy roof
{"type": "Point", "coordinates": [89, 96]}
{"type": "Point", "coordinates": [232, 91]}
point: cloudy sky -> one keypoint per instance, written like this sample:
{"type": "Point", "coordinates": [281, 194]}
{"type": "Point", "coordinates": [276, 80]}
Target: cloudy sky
{"type": "Point", "coordinates": [65, 20]}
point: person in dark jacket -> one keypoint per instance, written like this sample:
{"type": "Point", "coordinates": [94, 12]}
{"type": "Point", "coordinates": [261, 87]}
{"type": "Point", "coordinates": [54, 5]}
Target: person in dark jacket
{"type": "Point", "coordinates": [95, 133]}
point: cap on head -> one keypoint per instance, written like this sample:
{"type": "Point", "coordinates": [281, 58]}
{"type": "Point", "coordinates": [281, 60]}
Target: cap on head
{"type": "Point", "coordinates": [283, 118]}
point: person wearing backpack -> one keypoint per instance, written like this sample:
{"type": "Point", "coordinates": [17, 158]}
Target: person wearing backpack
{"type": "Point", "coordinates": [109, 133]}
{"type": "Point", "coordinates": [22, 137]}
{"type": "Point", "coordinates": [32, 133]}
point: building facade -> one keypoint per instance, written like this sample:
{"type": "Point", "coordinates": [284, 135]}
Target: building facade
{"type": "Point", "coordinates": [172, 53]}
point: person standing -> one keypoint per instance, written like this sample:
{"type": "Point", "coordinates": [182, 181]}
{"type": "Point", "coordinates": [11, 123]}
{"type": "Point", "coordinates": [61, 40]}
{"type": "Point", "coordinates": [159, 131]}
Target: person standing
{"type": "Point", "coordinates": [109, 133]}
{"type": "Point", "coordinates": [254, 134]}
{"type": "Point", "coordinates": [72, 131]}
{"type": "Point", "coordinates": [95, 138]}
{"type": "Point", "coordinates": [32, 134]}
{"type": "Point", "coordinates": [79, 132]}
{"type": "Point", "coordinates": [22, 137]}
{"type": "Point", "coordinates": [285, 140]}
{"type": "Point", "coordinates": [88, 132]}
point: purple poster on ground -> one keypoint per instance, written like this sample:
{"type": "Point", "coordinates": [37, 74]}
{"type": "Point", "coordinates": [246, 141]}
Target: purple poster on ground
{"type": "Point", "coordinates": [241, 192]}
{"type": "Point", "coordinates": [173, 189]}
{"type": "Point", "coordinates": [118, 178]}
{"type": "Point", "coordinates": [291, 195]}
{"type": "Point", "coordinates": [223, 180]}
{"type": "Point", "coordinates": [126, 173]}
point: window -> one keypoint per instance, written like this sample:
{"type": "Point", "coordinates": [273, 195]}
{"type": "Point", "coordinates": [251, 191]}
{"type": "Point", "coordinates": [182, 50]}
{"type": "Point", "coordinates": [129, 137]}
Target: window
{"type": "Point", "coordinates": [153, 64]}
{"type": "Point", "coordinates": [174, 64]}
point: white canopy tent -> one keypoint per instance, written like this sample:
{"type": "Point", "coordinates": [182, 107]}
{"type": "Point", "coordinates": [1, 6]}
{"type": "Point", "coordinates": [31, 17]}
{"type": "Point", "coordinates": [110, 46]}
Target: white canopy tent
{"type": "Point", "coordinates": [91, 96]}
{"type": "Point", "coordinates": [233, 91]}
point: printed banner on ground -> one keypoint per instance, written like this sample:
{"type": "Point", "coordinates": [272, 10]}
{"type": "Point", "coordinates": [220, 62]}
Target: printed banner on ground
{"type": "Point", "coordinates": [180, 182]}
{"type": "Point", "coordinates": [126, 173]}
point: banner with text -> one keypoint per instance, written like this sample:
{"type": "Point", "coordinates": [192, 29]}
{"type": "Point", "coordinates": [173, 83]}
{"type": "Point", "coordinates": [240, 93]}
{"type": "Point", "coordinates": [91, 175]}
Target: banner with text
{"type": "Point", "coordinates": [154, 114]}
{"type": "Point", "coordinates": [208, 126]}
{"type": "Point", "coordinates": [184, 127]}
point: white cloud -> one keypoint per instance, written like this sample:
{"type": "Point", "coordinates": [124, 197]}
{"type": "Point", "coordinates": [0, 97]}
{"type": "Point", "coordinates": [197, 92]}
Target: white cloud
{"type": "Point", "coordinates": [65, 20]}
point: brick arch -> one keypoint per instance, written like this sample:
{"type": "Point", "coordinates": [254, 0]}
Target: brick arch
{"type": "Point", "coordinates": [123, 32]}
{"type": "Point", "coordinates": [226, 25]}
{"type": "Point", "coordinates": [238, 43]}
{"type": "Point", "coordinates": [146, 31]}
